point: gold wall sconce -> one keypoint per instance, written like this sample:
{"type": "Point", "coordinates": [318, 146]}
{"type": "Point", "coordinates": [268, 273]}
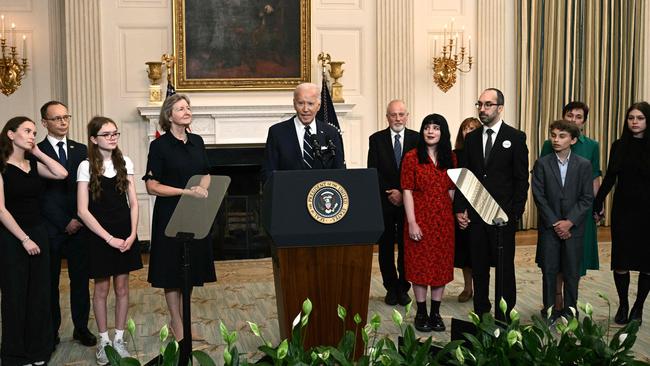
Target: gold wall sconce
{"type": "Point", "coordinates": [451, 60]}
{"type": "Point", "coordinates": [12, 70]}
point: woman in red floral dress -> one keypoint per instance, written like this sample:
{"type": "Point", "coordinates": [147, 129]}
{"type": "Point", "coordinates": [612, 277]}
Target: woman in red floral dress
{"type": "Point", "coordinates": [429, 234]}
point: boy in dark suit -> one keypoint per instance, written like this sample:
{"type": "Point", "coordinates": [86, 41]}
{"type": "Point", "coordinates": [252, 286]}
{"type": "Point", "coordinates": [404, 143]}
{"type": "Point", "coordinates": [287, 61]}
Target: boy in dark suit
{"type": "Point", "coordinates": [60, 212]}
{"type": "Point", "coordinates": [386, 148]}
{"type": "Point", "coordinates": [563, 192]}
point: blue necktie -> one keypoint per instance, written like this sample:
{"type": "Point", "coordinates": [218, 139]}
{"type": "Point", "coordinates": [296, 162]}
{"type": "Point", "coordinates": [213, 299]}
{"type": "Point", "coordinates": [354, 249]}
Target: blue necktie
{"type": "Point", "coordinates": [397, 149]}
{"type": "Point", "coordinates": [307, 149]}
{"type": "Point", "coordinates": [63, 159]}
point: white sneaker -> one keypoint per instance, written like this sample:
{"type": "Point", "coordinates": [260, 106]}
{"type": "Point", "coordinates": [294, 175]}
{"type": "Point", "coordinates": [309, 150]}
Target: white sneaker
{"type": "Point", "coordinates": [102, 359]}
{"type": "Point", "coordinates": [120, 347]}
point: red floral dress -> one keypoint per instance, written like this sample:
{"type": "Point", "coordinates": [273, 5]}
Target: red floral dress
{"type": "Point", "coordinates": [429, 261]}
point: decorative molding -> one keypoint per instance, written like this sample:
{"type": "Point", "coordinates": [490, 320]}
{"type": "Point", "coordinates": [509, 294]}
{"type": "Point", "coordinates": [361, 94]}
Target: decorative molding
{"type": "Point", "coordinates": [344, 44]}
{"type": "Point", "coordinates": [223, 125]}
{"type": "Point", "coordinates": [16, 6]}
{"type": "Point", "coordinates": [133, 43]}
{"type": "Point", "coordinates": [340, 4]}
{"type": "Point", "coordinates": [394, 54]}
{"type": "Point", "coordinates": [142, 4]}
{"type": "Point", "coordinates": [84, 65]}
{"type": "Point", "coordinates": [446, 7]}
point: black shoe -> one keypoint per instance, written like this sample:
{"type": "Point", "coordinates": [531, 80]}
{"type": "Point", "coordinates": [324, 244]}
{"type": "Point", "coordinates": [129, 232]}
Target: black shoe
{"type": "Point", "coordinates": [422, 323]}
{"type": "Point", "coordinates": [621, 315]}
{"type": "Point", "coordinates": [391, 298]}
{"type": "Point", "coordinates": [636, 314]}
{"type": "Point", "coordinates": [437, 325]}
{"type": "Point", "coordinates": [403, 299]}
{"type": "Point", "coordinates": [84, 337]}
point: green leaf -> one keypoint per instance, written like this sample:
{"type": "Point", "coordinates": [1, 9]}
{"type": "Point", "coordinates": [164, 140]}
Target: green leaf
{"type": "Point", "coordinates": [589, 310]}
{"type": "Point", "coordinates": [307, 307]}
{"type": "Point", "coordinates": [408, 308]}
{"type": "Point", "coordinates": [164, 333]}
{"type": "Point", "coordinates": [364, 334]}
{"type": "Point", "coordinates": [375, 321]}
{"type": "Point", "coordinates": [170, 357]}
{"type": "Point", "coordinates": [112, 355]}
{"type": "Point", "coordinates": [397, 317]}
{"type": "Point", "coordinates": [474, 318]}
{"type": "Point", "coordinates": [459, 355]}
{"type": "Point", "coordinates": [514, 315]}
{"type": "Point", "coordinates": [224, 331]}
{"type": "Point", "coordinates": [283, 348]}
{"type": "Point", "coordinates": [203, 358]}
{"type": "Point", "coordinates": [357, 318]}
{"type": "Point", "coordinates": [254, 328]}
{"type": "Point", "coordinates": [130, 327]}
{"type": "Point", "coordinates": [341, 312]}
{"type": "Point", "coordinates": [512, 338]}
{"type": "Point", "coordinates": [227, 357]}
{"type": "Point", "coordinates": [304, 321]}
{"type": "Point", "coordinates": [503, 305]}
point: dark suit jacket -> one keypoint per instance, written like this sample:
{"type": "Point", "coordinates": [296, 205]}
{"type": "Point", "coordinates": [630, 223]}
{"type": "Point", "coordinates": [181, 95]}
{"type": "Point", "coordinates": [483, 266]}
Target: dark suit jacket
{"type": "Point", "coordinates": [59, 204]}
{"type": "Point", "coordinates": [556, 202]}
{"type": "Point", "coordinates": [505, 175]}
{"type": "Point", "coordinates": [382, 158]}
{"type": "Point", "coordinates": [282, 151]}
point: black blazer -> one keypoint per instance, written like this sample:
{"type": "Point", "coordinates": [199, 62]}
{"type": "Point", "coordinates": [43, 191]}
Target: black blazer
{"type": "Point", "coordinates": [505, 175]}
{"type": "Point", "coordinates": [382, 158]}
{"type": "Point", "coordinates": [59, 203]}
{"type": "Point", "coordinates": [282, 151]}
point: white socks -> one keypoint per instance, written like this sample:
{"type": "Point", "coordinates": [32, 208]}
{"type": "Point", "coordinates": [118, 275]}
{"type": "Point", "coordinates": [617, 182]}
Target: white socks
{"type": "Point", "coordinates": [104, 337]}
{"type": "Point", "coordinates": [119, 334]}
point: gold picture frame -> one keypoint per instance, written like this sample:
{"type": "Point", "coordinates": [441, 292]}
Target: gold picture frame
{"type": "Point", "coordinates": [226, 45]}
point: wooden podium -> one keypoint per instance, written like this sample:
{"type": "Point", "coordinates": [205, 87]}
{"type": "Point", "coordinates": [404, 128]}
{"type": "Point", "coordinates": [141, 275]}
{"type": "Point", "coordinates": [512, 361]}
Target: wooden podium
{"type": "Point", "coordinates": [329, 263]}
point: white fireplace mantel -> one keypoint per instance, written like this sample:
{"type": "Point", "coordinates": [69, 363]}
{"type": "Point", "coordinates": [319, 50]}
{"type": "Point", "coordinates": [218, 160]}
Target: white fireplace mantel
{"type": "Point", "coordinates": [233, 125]}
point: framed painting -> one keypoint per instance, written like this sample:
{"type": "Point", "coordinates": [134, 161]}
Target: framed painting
{"type": "Point", "coordinates": [241, 44]}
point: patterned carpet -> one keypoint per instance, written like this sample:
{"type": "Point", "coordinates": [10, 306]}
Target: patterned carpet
{"type": "Point", "coordinates": [245, 291]}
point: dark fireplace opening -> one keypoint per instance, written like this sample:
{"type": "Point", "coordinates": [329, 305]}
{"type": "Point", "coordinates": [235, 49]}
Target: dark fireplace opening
{"type": "Point", "coordinates": [238, 232]}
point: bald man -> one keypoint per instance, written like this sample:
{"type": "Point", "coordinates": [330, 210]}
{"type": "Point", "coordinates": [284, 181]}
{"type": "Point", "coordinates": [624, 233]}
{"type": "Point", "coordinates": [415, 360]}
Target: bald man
{"type": "Point", "coordinates": [302, 142]}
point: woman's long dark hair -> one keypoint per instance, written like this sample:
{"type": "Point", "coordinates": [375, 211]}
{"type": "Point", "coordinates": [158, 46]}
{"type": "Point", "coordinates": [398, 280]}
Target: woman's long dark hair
{"type": "Point", "coordinates": [6, 145]}
{"type": "Point", "coordinates": [443, 148]}
{"type": "Point", "coordinates": [97, 161]}
{"type": "Point", "coordinates": [627, 138]}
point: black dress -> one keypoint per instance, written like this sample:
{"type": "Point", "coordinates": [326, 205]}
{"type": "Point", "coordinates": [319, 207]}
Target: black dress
{"type": "Point", "coordinates": [173, 162]}
{"type": "Point", "coordinates": [461, 249]}
{"type": "Point", "coordinates": [25, 280]}
{"type": "Point", "coordinates": [629, 169]}
{"type": "Point", "coordinates": [112, 212]}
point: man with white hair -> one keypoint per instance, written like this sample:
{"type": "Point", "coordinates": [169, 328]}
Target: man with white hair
{"type": "Point", "coordinates": [302, 142]}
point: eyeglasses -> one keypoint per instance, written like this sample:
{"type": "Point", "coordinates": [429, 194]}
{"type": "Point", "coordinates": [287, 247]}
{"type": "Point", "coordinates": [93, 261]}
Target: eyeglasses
{"type": "Point", "coordinates": [59, 118]}
{"type": "Point", "coordinates": [487, 105]}
{"type": "Point", "coordinates": [109, 135]}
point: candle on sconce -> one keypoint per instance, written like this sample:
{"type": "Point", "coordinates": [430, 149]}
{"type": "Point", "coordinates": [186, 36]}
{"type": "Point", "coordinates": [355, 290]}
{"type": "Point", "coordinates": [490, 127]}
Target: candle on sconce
{"type": "Point", "coordinates": [2, 35]}
{"type": "Point", "coordinates": [444, 36]}
{"type": "Point", "coordinates": [469, 41]}
{"type": "Point", "coordinates": [451, 30]}
{"type": "Point", "coordinates": [24, 53]}
{"type": "Point", "coordinates": [462, 37]}
{"type": "Point", "coordinates": [13, 34]}
{"type": "Point", "coordinates": [435, 46]}
{"type": "Point", "coordinates": [456, 41]}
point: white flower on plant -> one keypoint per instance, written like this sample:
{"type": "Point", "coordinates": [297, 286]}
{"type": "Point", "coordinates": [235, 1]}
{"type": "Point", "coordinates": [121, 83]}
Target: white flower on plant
{"type": "Point", "coordinates": [296, 320]}
{"type": "Point", "coordinates": [622, 337]}
{"type": "Point", "coordinates": [497, 332]}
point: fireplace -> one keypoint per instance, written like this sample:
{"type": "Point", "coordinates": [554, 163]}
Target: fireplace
{"type": "Point", "coordinates": [238, 231]}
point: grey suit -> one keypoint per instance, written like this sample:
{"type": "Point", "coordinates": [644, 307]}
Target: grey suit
{"type": "Point", "coordinates": [556, 202]}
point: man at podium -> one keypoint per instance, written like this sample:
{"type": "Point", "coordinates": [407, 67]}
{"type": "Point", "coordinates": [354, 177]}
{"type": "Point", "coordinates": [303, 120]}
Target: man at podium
{"type": "Point", "coordinates": [303, 142]}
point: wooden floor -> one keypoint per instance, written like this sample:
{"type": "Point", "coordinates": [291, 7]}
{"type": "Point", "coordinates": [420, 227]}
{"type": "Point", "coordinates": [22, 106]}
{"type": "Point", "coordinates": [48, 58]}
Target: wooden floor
{"type": "Point", "coordinates": [245, 292]}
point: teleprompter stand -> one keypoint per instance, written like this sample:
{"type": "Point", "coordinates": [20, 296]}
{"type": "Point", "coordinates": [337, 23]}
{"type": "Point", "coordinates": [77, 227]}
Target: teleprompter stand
{"type": "Point", "coordinates": [192, 220]}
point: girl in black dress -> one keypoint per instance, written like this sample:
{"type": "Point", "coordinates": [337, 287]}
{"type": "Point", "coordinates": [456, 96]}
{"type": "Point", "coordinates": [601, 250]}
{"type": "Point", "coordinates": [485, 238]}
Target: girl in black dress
{"type": "Point", "coordinates": [108, 206]}
{"type": "Point", "coordinates": [461, 252]}
{"type": "Point", "coordinates": [174, 158]}
{"type": "Point", "coordinates": [629, 169]}
{"type": "Point", "coordinates": [24, 249]}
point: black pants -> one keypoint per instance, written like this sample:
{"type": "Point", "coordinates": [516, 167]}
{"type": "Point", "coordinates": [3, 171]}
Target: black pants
{"type": "Point", "coordinates": [483, 253]}
{"type": "Point", "coordinates": [25, 279]}
{"type": "Point", "coordinates": [394, 278]}
{"type": "Point", "coordinates": [73, 249]}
